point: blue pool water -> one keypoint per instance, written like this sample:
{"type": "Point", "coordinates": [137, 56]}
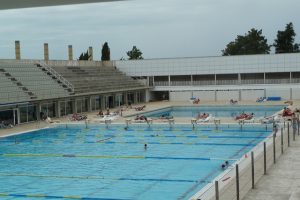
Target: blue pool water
{"type": "Point", "coordinates": [99, 163]}
{"type": "Point", "coordinates": [217, 111]}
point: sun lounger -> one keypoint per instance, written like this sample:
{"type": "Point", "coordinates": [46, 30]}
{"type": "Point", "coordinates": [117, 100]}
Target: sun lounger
{"type": "Point", "coordinates": [204, 120]}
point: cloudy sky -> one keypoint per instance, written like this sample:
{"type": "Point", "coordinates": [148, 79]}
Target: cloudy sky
{"type": "Point", "coordinates": [160, 28]}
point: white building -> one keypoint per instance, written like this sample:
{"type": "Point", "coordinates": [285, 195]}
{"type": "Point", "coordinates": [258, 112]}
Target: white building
{"type": "Point", "coordinates": [244, 77]}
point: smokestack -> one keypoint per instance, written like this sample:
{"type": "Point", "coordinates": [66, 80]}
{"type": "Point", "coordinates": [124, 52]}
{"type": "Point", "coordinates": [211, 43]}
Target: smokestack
{"type": "Point", "coordinates": [17, 50]}
{"type": "Point", "coordinates": [70, 52]}
{"type": "Point", "coordinates": [90, 53]}
{"type": "Point", "coordinates": [46, 51]}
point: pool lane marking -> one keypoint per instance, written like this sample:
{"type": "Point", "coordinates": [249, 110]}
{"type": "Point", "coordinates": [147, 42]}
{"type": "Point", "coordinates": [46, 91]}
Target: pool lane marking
{"type": "Point", "coordinates": [108, 178]}
{"type": "Point", "coordinates": [112, 157]}
{"type": "Point", "coordinates": [169, 143]}
{"type": "Point", "coordinates": [181, 143]}
{"type": "Point", "coordinates": [56, 197]}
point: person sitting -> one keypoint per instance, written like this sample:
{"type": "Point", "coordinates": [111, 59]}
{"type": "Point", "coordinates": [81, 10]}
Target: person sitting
{"type": "Point", "coordinates": [164, 116]}
{"type": "Point", "coordinates": [202, 116]}
{"type": "Point", "coordinates": [289, 102]}
{"type": "Point", "coordinates": [287, 112]}
{"type": "Point", "coordinates": [140, 108]}
{"type": "Point", "coordinates": [243, 116]}
{"type": "Point", "coordinates": [248, 117]}
{"type": "Point", "coordinates": [140, 118]}
{"type": "Point", "coordinates": [2, 125]}
{"type": "Point", "coordinates": [196, 101]}
{"type": "Point", "coordinates": [260, 99]}
{"type": "Point", "coordinates": [233, 101]}
{"type": "Point", "coordinates": [101, 113]}
{"type": "Point", "coordinates": [107, 112]}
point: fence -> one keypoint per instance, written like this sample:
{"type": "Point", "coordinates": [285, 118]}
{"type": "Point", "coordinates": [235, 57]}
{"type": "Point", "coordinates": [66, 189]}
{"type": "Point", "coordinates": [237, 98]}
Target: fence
{"type": "Point", "coordinates": [237, 180]}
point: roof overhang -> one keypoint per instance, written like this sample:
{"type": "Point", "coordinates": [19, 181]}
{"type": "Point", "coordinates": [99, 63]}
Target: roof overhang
{"type": "Point", "coordinates": [14, 4]}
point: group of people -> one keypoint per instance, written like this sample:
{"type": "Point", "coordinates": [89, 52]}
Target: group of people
{"type": "Point", "coordinates": [78, 117]}
{"type": "Point", "coordinates": [5, 124]}
{"type": "Point", "coordinates": [261, 99]}
{"type": "Point", "coordinates": [244, 116]}
{"type": "Point", "coordinates": [225, 164]}
{"type": "Point", "coordinates": [140, 108]}
{"type": "Point", "coordinates": [287, 112]}
{"type": "Point", "coordinates": [202, 116]}
{"type": "Point", "coordinates": [141, 118]}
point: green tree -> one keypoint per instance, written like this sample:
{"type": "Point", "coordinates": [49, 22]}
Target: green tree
{"type": "Point", "coordinates": [84, 56]}
{"type": "Point", "coordinates": [135, 54]}
{"type": "Point", "coordinates": [284, 43]}
{"type": "Point", "coordinates": [105, 52]}
{"type": "Point", "coordinates": [252, 42]}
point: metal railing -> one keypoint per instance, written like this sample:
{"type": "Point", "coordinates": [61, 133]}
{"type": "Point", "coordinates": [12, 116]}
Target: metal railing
{"type": "Point", "coordinates": [57, 75]}
{"type": "Point", "coordinates": [242, 176]}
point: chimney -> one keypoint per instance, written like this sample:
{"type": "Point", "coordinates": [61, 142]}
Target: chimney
{"type": "Point", "coordinates": [17, 50]}
{"type": "Point", "coordinates": [46, 51]}
{"type": "Point", "coordinates": [70, 52]}
{"type": "Point", "coordinates": [90, 53]}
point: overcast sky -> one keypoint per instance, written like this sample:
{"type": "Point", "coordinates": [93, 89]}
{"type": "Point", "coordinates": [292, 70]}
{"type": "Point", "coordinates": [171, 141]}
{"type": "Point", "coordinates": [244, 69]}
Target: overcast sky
{"type": "Point", "coordinates": [159, 28]}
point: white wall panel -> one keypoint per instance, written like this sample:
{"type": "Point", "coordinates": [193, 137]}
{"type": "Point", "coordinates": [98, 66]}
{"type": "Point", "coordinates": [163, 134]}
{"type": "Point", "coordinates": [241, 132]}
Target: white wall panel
{"type": "Point", "coordinates": [180, 96]}
{"type": "Point", "coordinates": [205, 95]}
{"type": "Point", "coordinates": [284, 93]}
{"type": "Point", "coordinates": [227, 95]}
{"type": "Point", "coordinates": [296, 93]}
{"type": "Point", "coordinates": [251, 94]}
{"type": "Point", "coordinates": [212, 65]}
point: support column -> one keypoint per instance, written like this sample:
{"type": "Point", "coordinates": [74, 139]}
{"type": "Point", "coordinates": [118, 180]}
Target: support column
{"type": "Point", "coordinates": [215, 79]}
{"type": "Point", "coordinates": [90, 53]}
{"type": "Point", "coordinates": [90, 104]}
{"type": "Point", "coordinates": [290, 77]}
{"type": "Point", "coordinates": [291, 94]}
{"type": "Point", "coordinates": [239, 79]}
{"type": "Point", "coordinates": [70, 52]}
{"type": "Point", "coordinates": [135, 97]}
{"type": "Point", "coordinates": [216, 95]}
{"type": "Point", "coordinates": [264, 78]}
{"type": "Point", "coordinates": [18, 50]}
{"type": "Point", "coordinates": [169, 80]}
{"type": "Point", "coordinates": [38, 111]}
{"type": "Point", "coordinates": [57, 108]}
{"type": "Point", "coordinates": [102, 97]}
{"type": "Point", "coordinates": [74, 106]}
{"type": "Point", "coordinates": [46, 52]}
{"type": "Point", "coordinates": [192, 80]}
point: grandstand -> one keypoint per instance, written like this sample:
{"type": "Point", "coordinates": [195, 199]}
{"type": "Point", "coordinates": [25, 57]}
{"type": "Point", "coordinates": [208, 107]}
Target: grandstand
{"type": "Point", "coordinates": [32, 88]}
{"type": "Point", "coordinates": [93, 79]}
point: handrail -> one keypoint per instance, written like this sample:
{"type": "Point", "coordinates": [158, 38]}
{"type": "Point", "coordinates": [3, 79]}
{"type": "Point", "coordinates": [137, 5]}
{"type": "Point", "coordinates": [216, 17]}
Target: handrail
{"type": "Point", "coordinates": [57, 75]}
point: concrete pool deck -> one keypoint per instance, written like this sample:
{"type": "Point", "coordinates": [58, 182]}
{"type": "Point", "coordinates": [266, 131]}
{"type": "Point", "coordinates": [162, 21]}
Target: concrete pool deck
{"type": "Point", "coordinates": [282, 181]}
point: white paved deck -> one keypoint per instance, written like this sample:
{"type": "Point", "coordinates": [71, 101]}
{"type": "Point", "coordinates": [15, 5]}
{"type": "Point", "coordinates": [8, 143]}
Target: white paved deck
{"type": "Point", "coordinates": [282, 181]}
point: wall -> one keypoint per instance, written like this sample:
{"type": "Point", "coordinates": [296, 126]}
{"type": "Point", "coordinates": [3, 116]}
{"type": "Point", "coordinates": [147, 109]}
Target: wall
{"type": "Point", "coordinates": [251, 94]}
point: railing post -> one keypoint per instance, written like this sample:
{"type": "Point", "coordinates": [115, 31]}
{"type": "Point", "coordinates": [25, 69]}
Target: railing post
{"type": "Point", "coordinates": [265, 159]}
{"type": "Point", "coordinates": [217, 189]}
{"type": "Point", "coordinates": [298, 125]}
{"type": "Point", "coordinates": [252, 168]}
{"type": "Point", "coordinates": [274, 149]}
{"type": "Point", "coordinates": [294, 130]}
{"type": "Point", "coordinates": [281, 140]}
{"type": "Point", "coordinates": [288, 133]}
{"type": "Point", "coordinates": [237, 182]}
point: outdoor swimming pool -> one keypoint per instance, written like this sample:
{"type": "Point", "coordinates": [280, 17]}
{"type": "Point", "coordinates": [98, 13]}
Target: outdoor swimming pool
{"type": "Point", "coordinates": [100, 163]}
{"type": "Point", "coordinates": [216, 111]}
